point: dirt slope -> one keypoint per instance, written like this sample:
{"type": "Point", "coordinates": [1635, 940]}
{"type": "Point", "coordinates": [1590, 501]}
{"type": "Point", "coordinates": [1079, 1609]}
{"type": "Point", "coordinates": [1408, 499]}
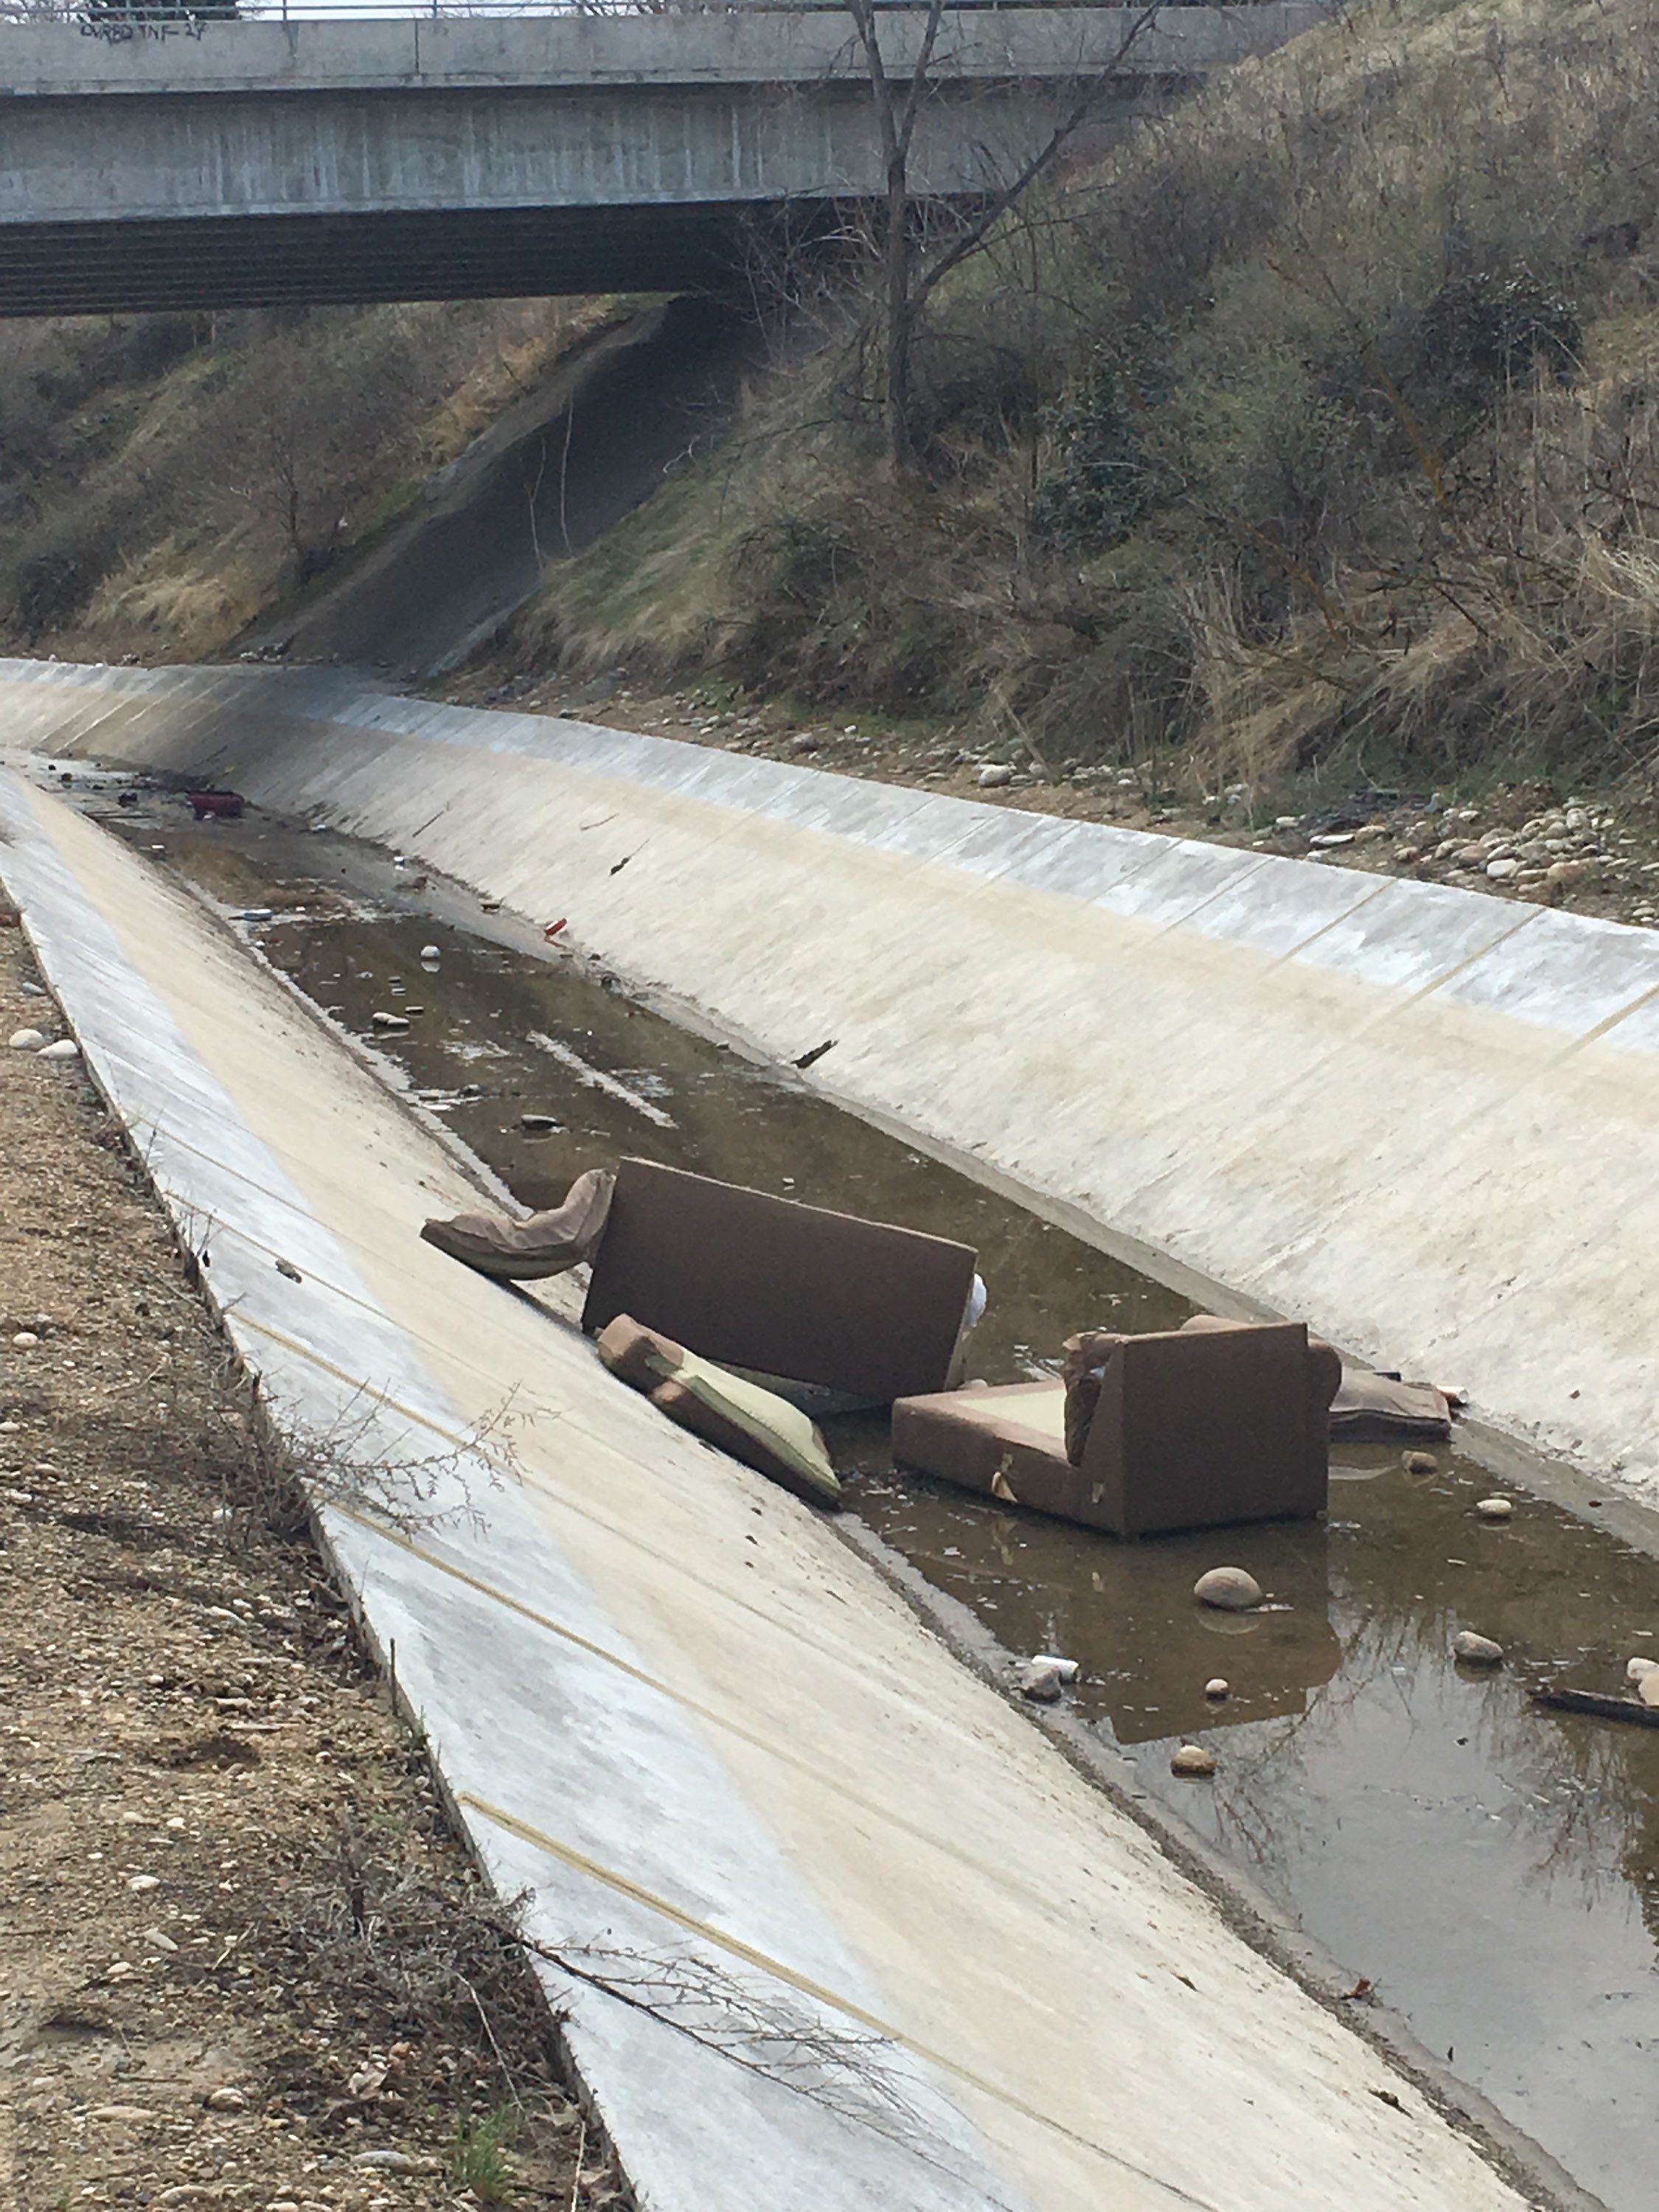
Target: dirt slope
{"type": "Point", "coordinates": [243, 1961]}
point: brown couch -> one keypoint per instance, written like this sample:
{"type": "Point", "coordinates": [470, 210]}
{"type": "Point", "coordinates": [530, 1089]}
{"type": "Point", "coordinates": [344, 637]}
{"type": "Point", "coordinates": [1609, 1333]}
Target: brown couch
{"type": "Point", "coordinates": [775, 1288]}
{"type": "Point", "coordinates": [1181, 1429]}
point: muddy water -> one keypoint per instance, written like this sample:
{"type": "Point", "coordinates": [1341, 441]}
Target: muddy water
{"type": "Point", "coordinates": [1492, 1869]}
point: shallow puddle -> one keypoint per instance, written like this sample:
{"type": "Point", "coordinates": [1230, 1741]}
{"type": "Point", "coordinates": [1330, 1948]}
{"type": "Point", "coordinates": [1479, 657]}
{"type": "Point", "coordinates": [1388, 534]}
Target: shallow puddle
{"type": "Point", "coordinates": [1491, 1867]}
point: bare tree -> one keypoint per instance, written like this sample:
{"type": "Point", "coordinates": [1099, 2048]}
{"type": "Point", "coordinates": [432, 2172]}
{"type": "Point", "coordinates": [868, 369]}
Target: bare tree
{"type": "Point", "coordinates": [917, 250]}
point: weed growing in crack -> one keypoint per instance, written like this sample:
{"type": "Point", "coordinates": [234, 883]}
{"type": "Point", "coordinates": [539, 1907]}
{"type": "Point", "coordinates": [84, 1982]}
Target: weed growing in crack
{"type": "Point", "coordinates": [480, 2157]}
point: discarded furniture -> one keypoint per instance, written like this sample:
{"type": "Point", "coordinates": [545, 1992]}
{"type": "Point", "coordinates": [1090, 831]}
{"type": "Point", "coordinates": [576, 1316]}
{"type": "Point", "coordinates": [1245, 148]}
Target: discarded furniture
{"type": "Point", "coordinates": [216, 805]}
{"type": "Point", "coordinates": [1369, 1407]}
{"type": "Point", "coordinates": [1176, 1429]}
{"type": "Point", "coordinates": [781, 1289]}
{"type": "Point", "coordinates": [542, 1244]}
{"type": "Point", "coordinates": [1379, 1409]}
{"type": "Point", "coordinates": [754, 1426]}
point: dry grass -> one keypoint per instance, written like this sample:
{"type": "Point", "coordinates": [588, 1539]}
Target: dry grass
{"type": "Point", "coordinates": [237, 1912]}
{"type": "Point", "coordinates": [170, 477]}
{"type": "Point", "coordinates": [1368, 333]}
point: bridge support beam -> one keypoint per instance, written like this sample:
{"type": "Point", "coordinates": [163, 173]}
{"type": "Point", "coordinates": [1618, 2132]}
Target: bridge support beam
{"type": "Point", "coordinates": [256, 162]}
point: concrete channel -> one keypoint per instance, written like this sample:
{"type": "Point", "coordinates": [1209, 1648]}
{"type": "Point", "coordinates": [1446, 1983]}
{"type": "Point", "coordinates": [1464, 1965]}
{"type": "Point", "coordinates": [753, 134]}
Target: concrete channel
{"type": "Point", "coordinates": [1436, 1835]}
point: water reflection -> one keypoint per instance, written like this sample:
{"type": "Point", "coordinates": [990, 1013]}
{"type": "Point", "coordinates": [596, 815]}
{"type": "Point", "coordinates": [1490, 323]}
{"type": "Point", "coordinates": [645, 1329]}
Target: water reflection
{"type": "Point", "coordinates": [1126, 1611]}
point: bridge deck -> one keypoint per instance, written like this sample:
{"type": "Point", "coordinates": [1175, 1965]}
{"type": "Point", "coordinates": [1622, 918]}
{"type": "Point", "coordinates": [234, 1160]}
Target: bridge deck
{"type": "Point", "coordinates": [256, 163]}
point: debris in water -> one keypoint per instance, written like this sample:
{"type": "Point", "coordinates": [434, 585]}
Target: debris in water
{"type": "Point", "coordinates": [1230, 1589]}
{"type": "Point", "coordinates": [430, 952]}
{"type": "Point", "coordinates": [1591, 1701]}
{"type": "Point", "coordinates": [65, 1048]}
{"type": "Point", "coordinates": [26, 1040]}
{"type": "Point", "coordinates": [1218, 1689]}
{"type": "Point", "coordinates": [1476, 1650]}
{"type": "Point", "coordinates": [390, 1021]}
{"type": "Point", "coordinates": [1494, 1509]}
{"type": "Point", "coordinates": [1420, 1462]}
{"type": "Point", "coordinates": [1043, 1678]}
{"type": "Point", "coordinates": [1194, 1761]}
{"type": "Point", "coordinates": [212, 805]}
{"type": "Point", "coordinates": [551, 929]}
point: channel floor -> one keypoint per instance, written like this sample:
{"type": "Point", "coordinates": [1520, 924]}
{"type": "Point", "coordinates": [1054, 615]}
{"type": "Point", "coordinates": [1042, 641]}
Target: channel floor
{"type": "Point", "coordinates": [1489, 1869]}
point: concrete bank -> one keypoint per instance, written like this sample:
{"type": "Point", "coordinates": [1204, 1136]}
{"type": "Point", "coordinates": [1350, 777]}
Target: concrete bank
{"type": "Point", "coordinates": [834, 1927]}
{"type": "Point", "coordinates": [1424, 1119]}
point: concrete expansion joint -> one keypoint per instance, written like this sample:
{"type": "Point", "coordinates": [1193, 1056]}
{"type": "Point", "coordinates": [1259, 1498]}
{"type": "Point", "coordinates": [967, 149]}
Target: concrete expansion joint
{"type": "Point", "coordinates": [777, 1969]}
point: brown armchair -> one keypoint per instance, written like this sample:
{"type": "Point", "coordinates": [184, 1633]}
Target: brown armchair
{"type": "Point", "coordinates": [1188, 1428]}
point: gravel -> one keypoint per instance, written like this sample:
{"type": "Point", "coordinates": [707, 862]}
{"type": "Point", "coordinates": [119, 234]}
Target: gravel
{"type": "Point", "coordinates": [232, 1887]}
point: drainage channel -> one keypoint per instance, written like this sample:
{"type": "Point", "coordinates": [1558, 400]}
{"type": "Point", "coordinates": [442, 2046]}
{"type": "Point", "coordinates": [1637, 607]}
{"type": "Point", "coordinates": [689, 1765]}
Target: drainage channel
{"type": "Point", "coordinates": [1491, 1870]}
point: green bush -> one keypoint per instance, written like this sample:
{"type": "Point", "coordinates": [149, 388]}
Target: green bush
{"type": "Point", "coordinates": [1103, 479]}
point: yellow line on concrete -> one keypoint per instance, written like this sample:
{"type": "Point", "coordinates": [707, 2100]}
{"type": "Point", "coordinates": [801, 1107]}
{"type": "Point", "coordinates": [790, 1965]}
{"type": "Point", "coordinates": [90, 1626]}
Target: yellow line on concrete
{"type": "Point", "coordinates": [777, 1970]}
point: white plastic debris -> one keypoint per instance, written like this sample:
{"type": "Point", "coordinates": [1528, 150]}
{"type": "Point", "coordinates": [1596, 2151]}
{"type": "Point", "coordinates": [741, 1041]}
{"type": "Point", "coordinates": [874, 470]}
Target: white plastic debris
{"type": "Point", "coordinates": [1042, 1678]}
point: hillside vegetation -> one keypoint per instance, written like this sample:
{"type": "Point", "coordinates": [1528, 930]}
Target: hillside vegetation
{"type": "Point", "coordinates": [164, 480]}
{"type": "Point", "coordinates": [1315, 425]}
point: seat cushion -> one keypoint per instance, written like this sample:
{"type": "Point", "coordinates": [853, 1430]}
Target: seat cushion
{"type": "Point", "coordinates": [753, 1424]}
{"type": "Point", "coordinates": [527, 1251]}
{"type": "Point", "coordinates": [1007, 1443]}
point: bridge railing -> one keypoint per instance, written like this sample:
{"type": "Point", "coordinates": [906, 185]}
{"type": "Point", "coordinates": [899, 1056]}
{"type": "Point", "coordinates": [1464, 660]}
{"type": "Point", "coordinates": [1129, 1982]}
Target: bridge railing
{"type": "Point", "coordinates": [122, 19]}
{"type": "Point", "coordinates": [119, 19]}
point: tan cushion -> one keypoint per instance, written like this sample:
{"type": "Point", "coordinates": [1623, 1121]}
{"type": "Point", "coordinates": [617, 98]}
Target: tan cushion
{"type": "Point", "coordinates": [639, 1357]}
{"type": "Point", "coordinates": [758, 1437]}
{"type": "Point", "coordinates": [754, 1424]}
{"type": "Point", "coordinates": [527, 1251]}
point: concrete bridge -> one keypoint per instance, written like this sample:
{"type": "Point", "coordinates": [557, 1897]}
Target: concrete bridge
{"type": "Point", "coordinates": [241, 164]}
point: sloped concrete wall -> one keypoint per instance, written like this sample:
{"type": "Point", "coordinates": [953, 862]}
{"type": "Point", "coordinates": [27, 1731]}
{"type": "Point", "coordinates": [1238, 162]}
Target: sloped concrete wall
{"type": "Point", "coordinates": [1424, 1119]}
{"type": "Point", "coordinates": [832, 1927]}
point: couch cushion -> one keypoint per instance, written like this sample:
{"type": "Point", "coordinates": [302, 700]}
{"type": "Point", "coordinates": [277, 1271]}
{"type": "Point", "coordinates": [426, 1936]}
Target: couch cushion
{"type": "Point", "coordinates": [527, 1251]}
{"type": "Point", "coordinates": [752, 1423]}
